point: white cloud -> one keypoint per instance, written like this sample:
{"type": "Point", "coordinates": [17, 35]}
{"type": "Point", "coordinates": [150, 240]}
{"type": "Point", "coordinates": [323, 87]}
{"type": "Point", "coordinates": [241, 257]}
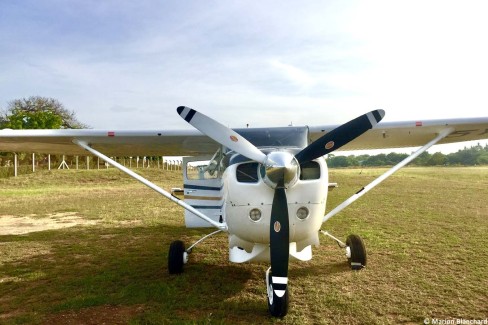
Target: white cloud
{"type": "Point", "coordinates": [297, 76]}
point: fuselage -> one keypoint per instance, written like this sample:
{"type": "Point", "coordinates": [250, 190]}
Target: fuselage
{"type": "Point", "coordinates": [248, 201]}
{"type": "Point", "coordinates": [244, 190]}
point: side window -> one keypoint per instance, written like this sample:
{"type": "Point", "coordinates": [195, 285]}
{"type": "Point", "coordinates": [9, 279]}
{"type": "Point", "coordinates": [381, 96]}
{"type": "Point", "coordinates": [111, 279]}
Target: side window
{"type": "Point", "coordinates": [201, 170]}
{"type": "Point", "coordinates": [310, 170]}
{"type": "Point", "coordinates": [247, 173]}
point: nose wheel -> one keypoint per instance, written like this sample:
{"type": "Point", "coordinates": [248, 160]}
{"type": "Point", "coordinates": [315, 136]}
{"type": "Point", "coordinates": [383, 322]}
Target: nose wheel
{"type": "Point", "coordinates": [277, 303]}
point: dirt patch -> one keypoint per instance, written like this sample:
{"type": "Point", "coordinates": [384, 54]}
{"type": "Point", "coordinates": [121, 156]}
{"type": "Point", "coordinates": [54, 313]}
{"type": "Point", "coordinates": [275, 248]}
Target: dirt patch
{"type": "Point", "coordinates": [14, 225]}
{"type": "Point", "coordinates": [96, 315]}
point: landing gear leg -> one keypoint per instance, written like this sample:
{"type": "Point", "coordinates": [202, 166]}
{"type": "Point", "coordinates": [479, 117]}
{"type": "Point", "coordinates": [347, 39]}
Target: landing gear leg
{"type": "Point", "coordinates": [178, 255]}
{"type": "Point", "coordinates": [355, 250]}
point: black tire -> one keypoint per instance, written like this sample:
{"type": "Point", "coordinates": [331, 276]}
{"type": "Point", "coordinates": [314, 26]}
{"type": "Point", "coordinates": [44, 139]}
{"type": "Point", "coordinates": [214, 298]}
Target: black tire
{"type": "Point", "coordinates": [175, 257]}
{"type": "Point", "coordinates": [277, 306]}
{"type": "Point", "coordinates": [357, 261]}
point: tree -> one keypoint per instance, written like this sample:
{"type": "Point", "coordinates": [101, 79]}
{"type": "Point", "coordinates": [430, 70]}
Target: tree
{"type": "Point", "coordinates": [377, 160]}
{"type": "Point", "coordinates": [467, 156]}
{"type": "Point", "coordinates": [422, 159]}
{"type": "Point", "coordinates": [437, 159]}
{"type": "Point", "coordinates": [20, 119]}
{"type": "Point", "coordinates": [338, 161]}
{"type": "Point", "coordinates": [483, 158]}
{"type": "Point", "coordinates": [394, 158]}
{"type": "Point", "coordinates": [38, 113]}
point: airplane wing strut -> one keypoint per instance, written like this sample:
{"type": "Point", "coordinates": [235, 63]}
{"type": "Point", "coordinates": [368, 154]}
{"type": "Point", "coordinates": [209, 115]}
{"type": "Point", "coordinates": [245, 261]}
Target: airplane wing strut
{"type": "Point", "coordinates": [84, 145]}
{"type": "Point", "coordinates": [380, 179]}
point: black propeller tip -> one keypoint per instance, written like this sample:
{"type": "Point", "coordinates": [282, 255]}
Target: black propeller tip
{"type": "Point", "coordinates": [180, 109]}
{"type": "Point", "coordinates": [379, 114]}
{"type": "Point", "coordinates": [186, 113]}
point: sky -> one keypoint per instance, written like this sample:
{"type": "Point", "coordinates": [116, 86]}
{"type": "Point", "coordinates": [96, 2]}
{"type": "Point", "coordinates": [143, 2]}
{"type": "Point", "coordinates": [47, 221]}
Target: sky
{"type": "Point", "coordinates": [127, 65]}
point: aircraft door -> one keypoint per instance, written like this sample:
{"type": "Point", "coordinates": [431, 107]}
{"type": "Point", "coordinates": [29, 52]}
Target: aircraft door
{"type": "Point", "coordinates": [202, 189]}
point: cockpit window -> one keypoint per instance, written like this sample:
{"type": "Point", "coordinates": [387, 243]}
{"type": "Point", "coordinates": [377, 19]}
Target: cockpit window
{"type": "Point", "coordinates": [204, 169]}
{"type": "Point", "coordinates": [310, 170]}
{"type": "Point", "coordinates": [247, 173]}
{"type": "Point", "coordinates": [276, 137]}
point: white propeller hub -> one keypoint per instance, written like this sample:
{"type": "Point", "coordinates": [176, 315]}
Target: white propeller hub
{"type": "Point", "coordinates": [284, 169]}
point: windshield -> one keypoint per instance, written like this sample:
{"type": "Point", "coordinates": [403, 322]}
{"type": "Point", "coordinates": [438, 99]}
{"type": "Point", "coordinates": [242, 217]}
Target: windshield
{"type": "Point", "coordinates": [276, 137]}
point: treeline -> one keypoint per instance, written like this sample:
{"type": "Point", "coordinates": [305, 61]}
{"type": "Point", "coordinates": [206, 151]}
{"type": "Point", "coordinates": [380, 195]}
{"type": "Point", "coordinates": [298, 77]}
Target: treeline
{"type": "Point", "coordinates": [476, 155]}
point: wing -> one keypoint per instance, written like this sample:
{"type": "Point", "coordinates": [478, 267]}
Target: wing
{"type": "Point", "coordinates": [111, 143]}
{"type": "Point", "coordinates": [412, 133]}
{"type": "Point", "coordinates": [192, 142]}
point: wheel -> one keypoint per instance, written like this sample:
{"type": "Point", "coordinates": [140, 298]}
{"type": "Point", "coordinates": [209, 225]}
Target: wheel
{"type": "Point", "coordinates": [176, 257]}
{"type": "Point", "coordinates": [277, 306]}
{"type": "Point", "coordinates": [356, 253]}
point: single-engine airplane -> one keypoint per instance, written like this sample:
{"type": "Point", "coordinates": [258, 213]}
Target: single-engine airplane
{"type": "Point", "coordinates": [265, 187]}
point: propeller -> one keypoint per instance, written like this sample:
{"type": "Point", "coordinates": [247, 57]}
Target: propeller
{"type": "Point", "coordinates": [222, 134]}
{"type": "Point", "coordinates": [340, 136]}
{"type": "Point", "coordinates": [279, 241]}
{"type": "Point", "coordinates": [281, 172]}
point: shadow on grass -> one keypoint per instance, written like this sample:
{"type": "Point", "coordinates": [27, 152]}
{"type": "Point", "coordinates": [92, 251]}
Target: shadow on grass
{"type": "Point", "coordinates": [326, 269]}
{"type": "Point", "coordinates": [120, 266]}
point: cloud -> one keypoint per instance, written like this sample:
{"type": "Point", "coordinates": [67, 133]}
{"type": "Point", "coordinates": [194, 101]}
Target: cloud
{"type": "Point", "coordinates": [297, 76]}
{"type": "Point", "coordinates": [124, 109]}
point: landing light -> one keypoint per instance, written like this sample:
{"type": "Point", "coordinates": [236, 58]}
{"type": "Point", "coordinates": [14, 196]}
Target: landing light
{"type": "Point", "coordinates": [302, 213]}
{"type": "Point", "coordinates": [255, 215]}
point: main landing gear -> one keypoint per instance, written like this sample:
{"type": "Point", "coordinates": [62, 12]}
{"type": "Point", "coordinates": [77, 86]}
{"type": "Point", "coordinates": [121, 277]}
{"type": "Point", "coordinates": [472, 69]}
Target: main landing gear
{"type": "Point", "coordinates": [355, 250]}
{"type": "Point", "coordinates": [178, 255]}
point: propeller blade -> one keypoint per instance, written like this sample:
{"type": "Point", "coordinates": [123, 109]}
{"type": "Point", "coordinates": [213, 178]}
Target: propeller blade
{"type": "Point", "coordinates": [279, 241]}
{"type": "Point", "coordinates": [340, 136]}
{"type": "Point", "coordinates": [222, 134]}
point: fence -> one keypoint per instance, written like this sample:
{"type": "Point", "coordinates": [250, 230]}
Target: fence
{"type": "Point", "coordinates": [15, 164]}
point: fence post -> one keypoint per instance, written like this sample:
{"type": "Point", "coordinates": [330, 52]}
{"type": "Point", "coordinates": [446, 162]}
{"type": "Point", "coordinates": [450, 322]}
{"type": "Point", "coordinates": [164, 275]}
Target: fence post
{"type": "Point", "coordinates": [15, 165]}
{"type": "Point", "coordinates": [49, 162]}
{"type": "Point", "coordinates": [33, 162]}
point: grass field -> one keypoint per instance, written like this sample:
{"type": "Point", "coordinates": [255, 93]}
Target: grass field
{"type": "Point", "coordinates": [425, 229]}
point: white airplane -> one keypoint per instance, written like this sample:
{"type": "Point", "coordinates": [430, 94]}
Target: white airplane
{"type": "Point", "coordinates": [265, 187]}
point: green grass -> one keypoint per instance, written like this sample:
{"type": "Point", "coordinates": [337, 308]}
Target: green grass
{"type": "Point", "coordinates": [424, 228]}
